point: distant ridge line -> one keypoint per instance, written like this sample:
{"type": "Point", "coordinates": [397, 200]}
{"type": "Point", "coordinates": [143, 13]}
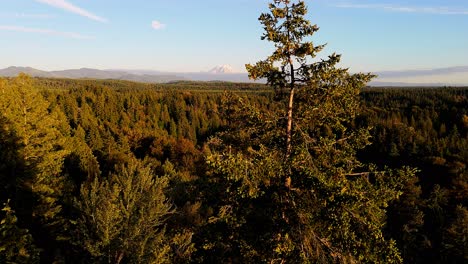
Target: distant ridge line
{"type": "Point", "coordinates": [220, 73]}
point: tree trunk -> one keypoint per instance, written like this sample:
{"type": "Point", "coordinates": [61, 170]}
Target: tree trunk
{"type": "Point", "coordinates": [287, 182]}
{"type": "Point", "coordinates": [119, 257]}
{"type": "Point", "coordinates": [290, 124]}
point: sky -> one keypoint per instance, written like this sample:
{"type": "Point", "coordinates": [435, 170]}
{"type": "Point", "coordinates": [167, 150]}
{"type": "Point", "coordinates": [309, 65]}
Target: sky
{"type": "Point", "coordinates": [194, 36]}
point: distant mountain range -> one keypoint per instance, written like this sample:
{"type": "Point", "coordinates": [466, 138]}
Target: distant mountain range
{"type": "Point", "coordinates": [86, 73]}
{"type": "Point", "coordinates": [450, 76]}
{"type": "Point", "coordinates": [219, 73]}
{"type": "Point", "coordinates": [454, 76]}
{"type": "Point", "coordinates": [411, 84]}
{"type": "Point", "coordinates": [420, 73]}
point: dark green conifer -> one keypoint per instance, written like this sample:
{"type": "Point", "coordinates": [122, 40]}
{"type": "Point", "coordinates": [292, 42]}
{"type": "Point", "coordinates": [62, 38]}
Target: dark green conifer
{"type": "Point", "coordinates": [292, 187]}
{"type": "Point", "coordinates": [123, 217]}
{"type": "Point", "coordinates": [16, 244]}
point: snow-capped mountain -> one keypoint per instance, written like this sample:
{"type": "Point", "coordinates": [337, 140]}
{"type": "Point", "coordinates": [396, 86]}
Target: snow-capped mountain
{"type": "Point", "coordinates": [221, 69]}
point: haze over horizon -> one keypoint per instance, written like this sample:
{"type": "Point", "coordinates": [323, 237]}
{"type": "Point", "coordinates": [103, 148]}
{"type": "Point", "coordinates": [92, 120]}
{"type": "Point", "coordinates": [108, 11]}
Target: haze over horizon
{"type": "Point", "coordinates": [372, 36]}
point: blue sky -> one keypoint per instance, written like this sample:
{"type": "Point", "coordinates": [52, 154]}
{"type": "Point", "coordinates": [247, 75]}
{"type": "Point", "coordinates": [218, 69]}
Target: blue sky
{"type": "Point", "coordinates": [192, 36]}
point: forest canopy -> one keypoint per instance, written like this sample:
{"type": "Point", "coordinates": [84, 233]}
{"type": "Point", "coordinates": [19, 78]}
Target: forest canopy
{"type": "Point", "coordinates": [314, 167]}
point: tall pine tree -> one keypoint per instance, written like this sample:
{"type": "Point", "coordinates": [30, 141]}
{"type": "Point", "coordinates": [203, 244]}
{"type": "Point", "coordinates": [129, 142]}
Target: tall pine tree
{"type": "Point", "coordinates": [291, 187]}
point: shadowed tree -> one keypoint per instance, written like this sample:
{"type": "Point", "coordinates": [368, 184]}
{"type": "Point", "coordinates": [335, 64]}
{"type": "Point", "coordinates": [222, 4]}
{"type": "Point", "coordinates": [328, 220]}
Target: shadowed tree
{"type": "Point", "coordinates": [16, 244]}
{"type": "Point", "coordinates": [39, 181]}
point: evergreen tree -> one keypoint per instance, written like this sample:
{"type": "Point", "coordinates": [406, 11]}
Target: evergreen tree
{"type": "Point", "coordinates": [16, 244]}
{"type": "Point", "coordinates": [287, 67]}
{"type": "Point", "coordinates": [123, 217]}
{"type": "Point", "coordinates": [455, 242]}
{"type": "Point", "coordinates": [292, 189]}
{"type": "Point", "coordinates": [39, 181]}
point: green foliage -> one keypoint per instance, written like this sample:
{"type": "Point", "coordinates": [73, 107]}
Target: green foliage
{"type": "Point", "coordinates": [329, 214]}
{"type": "Point", "coordinates": [35, 159]}
{"type": "Point", "coordinates": [41, 145]}
{"type": "Point", "coordinates": [312, 201]}
{"type": "Point", "coordinates": [16, 244]}
{"type": "Point", "coordinates": [408, 122]}
{"type": "Point", "coordinates": [9, 159]}
{"type": "Point", "coordinates": [455, 238]}
{"type": "Point", "coordinates": [237, 209]}
{"type": "Point", "coordinates": [81, 164]}
{"type": "Point", "coordinates": [288, 29]}
{"type": "Point", "coordinates": [235, 195]}
{"type": "Point", "coordinates": [123, 217]}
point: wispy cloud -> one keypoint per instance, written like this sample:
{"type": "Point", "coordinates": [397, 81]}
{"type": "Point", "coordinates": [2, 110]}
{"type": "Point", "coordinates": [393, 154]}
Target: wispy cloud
{"type": "Point", "coordinates": [44, 32]}
{"type": "Point", "coordinates": [157, 25]}
{"type": "Point", "coordinates": [407, 9]}
{"type": "Point", "coordinates": [65, 5]}
{"type": "Point", "coordinates": [26, 15]}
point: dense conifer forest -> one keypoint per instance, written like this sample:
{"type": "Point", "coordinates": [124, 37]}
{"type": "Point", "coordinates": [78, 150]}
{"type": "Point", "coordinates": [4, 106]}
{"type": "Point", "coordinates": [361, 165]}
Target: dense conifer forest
{"type": "Point", "coordinates": [311, 168]}
{"type": "Point", "coordinates": [99, 170]}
